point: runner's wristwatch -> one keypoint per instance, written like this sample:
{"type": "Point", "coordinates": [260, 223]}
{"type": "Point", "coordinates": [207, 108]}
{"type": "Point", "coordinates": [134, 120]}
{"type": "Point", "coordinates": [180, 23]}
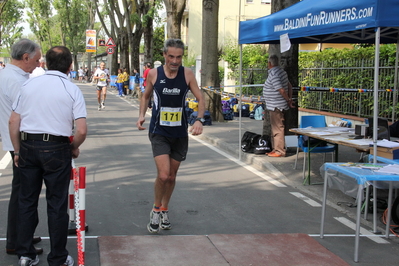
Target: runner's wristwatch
{"type": "Point", "coordinates": [201, 119]}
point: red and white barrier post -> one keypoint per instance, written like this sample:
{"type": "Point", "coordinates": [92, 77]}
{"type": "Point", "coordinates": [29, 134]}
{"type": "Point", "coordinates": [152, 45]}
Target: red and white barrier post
{"type": "Point", "coordinates": [82, 216]}
{"type": "Point", "coordinates": [72, 224]}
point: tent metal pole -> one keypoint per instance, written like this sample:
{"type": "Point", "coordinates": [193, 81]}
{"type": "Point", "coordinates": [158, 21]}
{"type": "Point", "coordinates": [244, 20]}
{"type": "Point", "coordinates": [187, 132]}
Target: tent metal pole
{"type": "Point", "coordinates": [375, 118]}
{"type": "Point", "coordinates": [395, 84]}
{"type": "Point", "coordinates": [240, 100]}
{"type": "Point", "coordinates": [376, 74]}
{"type": "Point", "coordinates": [240, 108]}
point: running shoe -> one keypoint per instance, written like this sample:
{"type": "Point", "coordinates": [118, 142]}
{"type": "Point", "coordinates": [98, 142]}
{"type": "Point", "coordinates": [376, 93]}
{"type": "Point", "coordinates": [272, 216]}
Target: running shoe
{"type": "Point", "coordinates": [153, 225]}
{"type": "Point", "coordinates": [26, 261]}
{"type": "Point", "coordinates": [102, 105]}
{"type": "Point", "coordinates": [165, 224]}
{"type": "Point", "coordinates": [69, 261]}
{"type": "Point", "coordinates": [99, 107]}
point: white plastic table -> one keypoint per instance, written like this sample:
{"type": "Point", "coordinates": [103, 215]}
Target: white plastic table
{"type": "Point", "coordinates": [362, 178]}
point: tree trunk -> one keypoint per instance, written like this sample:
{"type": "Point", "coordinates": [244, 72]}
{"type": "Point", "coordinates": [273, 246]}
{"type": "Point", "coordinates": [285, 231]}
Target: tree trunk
{"type": "Point", "coordinates": [174, 11]}
{"type": "Point", "coordinates": [134, 36]}
{"type": "Point", "coordinates": [124, 50]}
{"type": "Point", "coordinates": [148, 43]}
{"type": "Point", "coordinates": [209, 58]}
{"type": "Point", "coordinates": [148, 31]}
{"type": "Point", "coordinates": [135, 49]}
{"type": "Point", "coordinates": [289, 62]}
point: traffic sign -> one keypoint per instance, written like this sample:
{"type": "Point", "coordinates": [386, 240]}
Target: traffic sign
{"type": "Point", "coordinates": [110, 42]}
{"type": "Point", "coordinates": [110, 50]}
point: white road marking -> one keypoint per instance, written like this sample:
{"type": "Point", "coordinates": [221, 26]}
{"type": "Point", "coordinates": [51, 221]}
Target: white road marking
{"type": "Point", "coordinates": [5, 161]}
{"type": "Point", "coordinates": [376, 238]}
{"type": "Point", "coordinates": [306, 199]}
{"type": "Point", "coordinates": [350, 235]}
{"type": "Point", "coordinates": [249, 168]}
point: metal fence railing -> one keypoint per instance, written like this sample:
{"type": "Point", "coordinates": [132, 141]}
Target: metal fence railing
{"type": "Point", "coordinates": [354, 74]}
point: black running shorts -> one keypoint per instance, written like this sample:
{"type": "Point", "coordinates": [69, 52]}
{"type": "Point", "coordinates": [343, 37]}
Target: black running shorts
{"type": "Point", "coordinates": [175, 147]}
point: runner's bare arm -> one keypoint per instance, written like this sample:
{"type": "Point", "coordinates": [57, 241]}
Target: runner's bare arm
{"type": "Point", "coordinates": [197, 128]}
{"type": "Point", "coordinates": [145, 99]}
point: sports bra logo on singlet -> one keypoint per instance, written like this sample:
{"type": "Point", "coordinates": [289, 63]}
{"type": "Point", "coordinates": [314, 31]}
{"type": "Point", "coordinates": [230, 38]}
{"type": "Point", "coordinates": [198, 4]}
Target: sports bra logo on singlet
{"type": "Point", "coordinates": [174, 91]}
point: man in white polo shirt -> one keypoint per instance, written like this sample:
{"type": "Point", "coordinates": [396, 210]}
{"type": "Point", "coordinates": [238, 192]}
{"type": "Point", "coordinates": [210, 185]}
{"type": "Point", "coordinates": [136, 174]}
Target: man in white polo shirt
{"type": "Point", "coordinates": [44, 114]}
{"type": "Point", "coordinates": [25, 56]}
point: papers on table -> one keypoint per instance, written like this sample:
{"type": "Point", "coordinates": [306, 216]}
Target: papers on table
{"type": "Point", "coordinates": [387, 144]}
{"type": "Point", "coordinates": [380, 143]}
{"type": "Point", "coordinates": [360, 141]}
{"type": "Point", "coordinates": [340, 129]}
{"type": "Point", "coordinates": [389, 169]}
{"type": "Point", "coordinates": [363, 165]}
{"type": "Point", "coordinates": [325, 133]}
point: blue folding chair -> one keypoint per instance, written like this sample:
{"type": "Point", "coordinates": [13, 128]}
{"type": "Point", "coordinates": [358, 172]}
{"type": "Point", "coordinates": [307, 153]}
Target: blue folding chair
{"type": "Point", "coordinates": [312, 121]}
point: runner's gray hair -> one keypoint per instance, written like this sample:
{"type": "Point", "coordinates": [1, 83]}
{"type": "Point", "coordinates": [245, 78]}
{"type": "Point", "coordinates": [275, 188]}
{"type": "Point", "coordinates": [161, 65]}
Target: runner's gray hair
{"type": "Point", "coordinates": [177, 43]}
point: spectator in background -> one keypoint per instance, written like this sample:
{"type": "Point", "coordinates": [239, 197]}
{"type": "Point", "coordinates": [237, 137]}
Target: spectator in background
{"type": "Point", "coordinates": [86, 75]}
{"type": "Point", "coordinates": [119, 82]}
{"type": "Point", "coordinates": [43, 152]}
{"type": "Point", "coordinates": [40, 70]}
{"type": "Point", "coordinates": [277, 92]}
{"type": "Point", "coordinates": [147, 68]}
{"type": "Point", "coordinates": [25, 56]}
{"type": "Point", "coordinates": [81, 74]}
{"type": "Point", "coordinates": [125, 81]}
{"type": "Point", "coordinates": [137, 91]}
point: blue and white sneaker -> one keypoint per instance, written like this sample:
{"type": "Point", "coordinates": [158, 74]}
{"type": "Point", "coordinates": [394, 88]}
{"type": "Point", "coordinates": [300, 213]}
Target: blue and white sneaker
{"type": "Point", "coordinates": [153, 225]}
{"type": "Point", "coordinates": [26, 261]}
{"type": "Point", "coordinates": [165, 224]}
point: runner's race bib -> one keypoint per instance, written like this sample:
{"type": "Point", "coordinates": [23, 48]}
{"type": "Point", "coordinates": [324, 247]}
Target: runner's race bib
{"type": "Point", "coordinates": [171, 116]}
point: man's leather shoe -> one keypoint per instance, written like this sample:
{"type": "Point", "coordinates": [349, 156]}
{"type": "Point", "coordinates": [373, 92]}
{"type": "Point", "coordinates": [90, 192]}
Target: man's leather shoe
{"type": "Point", "coordinates": [36, 239]}
{"type": "Point", "coordinates": [275, 154]}
{"type": "Point", "coordinates": [12, 251]}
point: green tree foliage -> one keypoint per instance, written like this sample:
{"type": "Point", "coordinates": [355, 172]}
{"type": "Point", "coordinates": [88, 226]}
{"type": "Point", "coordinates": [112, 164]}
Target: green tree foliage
{"type": "Point", "coordinates": [73, 18]}
{"type": "Point", "coordinates": [253, 56]}
{"type": "Point", "coordinates": [39, 14]}
{"type": "Point", "coordinates": [254, 62]}
{"type": "Point", "coordinates": [159, 39]}
{"type": "Point", "coordinates": [10, 16]}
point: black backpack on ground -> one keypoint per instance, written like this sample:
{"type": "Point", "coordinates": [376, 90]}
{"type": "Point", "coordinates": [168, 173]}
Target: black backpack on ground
{"type": "Point", "coordinates": [255, 143]}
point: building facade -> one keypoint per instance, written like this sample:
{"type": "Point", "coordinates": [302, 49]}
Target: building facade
{"type": "Point", "coordinates": [228, 24]}
{"type": "Point", "coordinates": [228, 21]}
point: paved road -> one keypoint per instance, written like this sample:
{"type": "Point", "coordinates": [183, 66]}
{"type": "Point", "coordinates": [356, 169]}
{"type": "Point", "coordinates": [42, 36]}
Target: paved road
{"type": "Point", "coordinates": [215, 193]}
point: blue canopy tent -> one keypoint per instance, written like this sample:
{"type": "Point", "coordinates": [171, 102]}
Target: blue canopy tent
{"type": "Point", "coordinates": [331, 21]}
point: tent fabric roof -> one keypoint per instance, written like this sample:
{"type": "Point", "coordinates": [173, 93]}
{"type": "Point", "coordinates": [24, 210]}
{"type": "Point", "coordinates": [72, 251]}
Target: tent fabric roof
{"type": "Point", "coordinates": [331, 21]}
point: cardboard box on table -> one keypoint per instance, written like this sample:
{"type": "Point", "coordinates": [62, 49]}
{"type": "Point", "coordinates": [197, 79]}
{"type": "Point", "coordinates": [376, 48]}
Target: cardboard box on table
{"type": "Point", "coordinates": [389, 153]}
